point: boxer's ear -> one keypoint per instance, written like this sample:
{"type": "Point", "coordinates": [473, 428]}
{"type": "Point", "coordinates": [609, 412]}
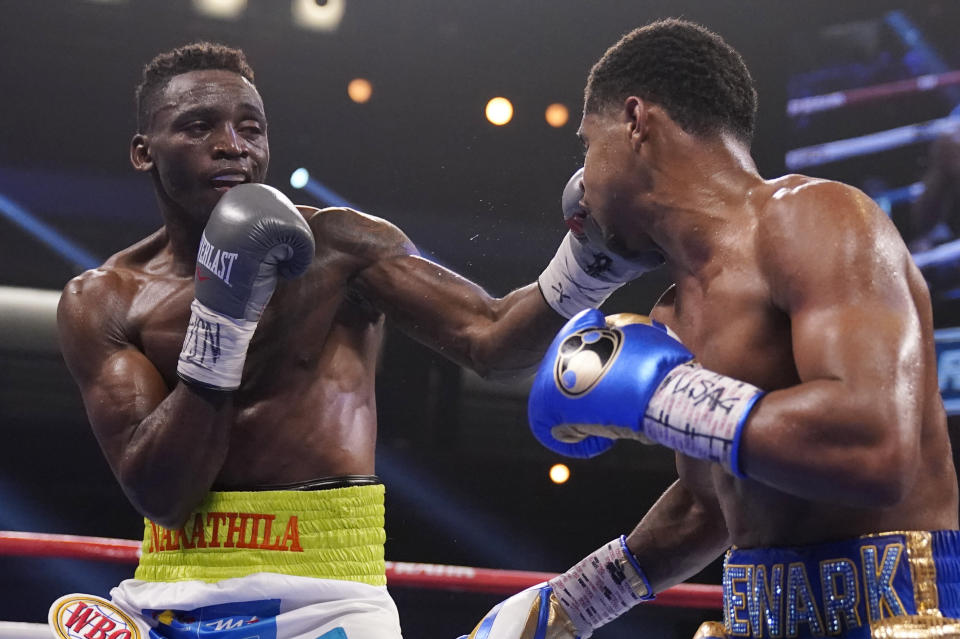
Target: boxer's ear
{"type": "Point", "coordinates": [140, 153]}
{"type": "Point", "coordinates": [636, 113]}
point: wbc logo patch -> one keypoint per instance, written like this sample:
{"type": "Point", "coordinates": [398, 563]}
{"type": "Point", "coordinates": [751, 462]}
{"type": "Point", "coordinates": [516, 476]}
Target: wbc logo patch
{"type": "Point", "coordinates": [584, 358]}
{"type": "Point", "coordinates": [80, 616]}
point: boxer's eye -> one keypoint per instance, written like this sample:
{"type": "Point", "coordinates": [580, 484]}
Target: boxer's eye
{"type": "Point", "coordinates": [197, 128]}
{"type": "Point", "coordinates": [251, 129]}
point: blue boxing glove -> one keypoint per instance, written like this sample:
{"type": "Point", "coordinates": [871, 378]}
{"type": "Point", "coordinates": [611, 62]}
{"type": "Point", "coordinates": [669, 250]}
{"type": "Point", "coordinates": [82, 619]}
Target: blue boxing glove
{"type": "Point", "coordinates": [628, 377]}
{"type": "Point", "coordinates": [254, 236]}
{"type": "Point", "coordinates": [585, 270]}
{"type": "Point", "coordinates": [598, 589]}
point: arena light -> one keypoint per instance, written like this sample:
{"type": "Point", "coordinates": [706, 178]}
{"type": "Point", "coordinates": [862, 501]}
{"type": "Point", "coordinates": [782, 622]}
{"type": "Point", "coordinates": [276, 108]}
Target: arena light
{"type": "Point", "coordinates": [360, 90]}
{"type": "Point", "coordinates": [47, 235]}
{"type": "Point", "coordinates": [222, 9]}
{"type": "Point", "coordinates": [499, 111]}
{"type": "Point", "coordinates": [299, 178]}
{"type": "Point", "coordinates": [318, 15]}
{"type": "Point", "coordinates": [559, 473]}
{"type": "Point", "coordinates": [556, 115]}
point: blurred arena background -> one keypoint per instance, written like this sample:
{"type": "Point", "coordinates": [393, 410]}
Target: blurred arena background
{"type": "Point", "coordinates": [865, 91]}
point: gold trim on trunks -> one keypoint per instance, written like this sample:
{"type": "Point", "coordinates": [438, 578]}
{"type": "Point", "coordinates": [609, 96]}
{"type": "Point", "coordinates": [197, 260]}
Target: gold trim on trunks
{"type": "Point", "coordinates": [923, 569]}
{"type": "Point", "coordinates": [916, 627]}
{"type": "Point", "coordinates": [711, 630]}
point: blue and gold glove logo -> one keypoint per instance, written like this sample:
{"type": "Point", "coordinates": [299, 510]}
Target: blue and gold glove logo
{"type": "Point", "coordinates": [584, 358]}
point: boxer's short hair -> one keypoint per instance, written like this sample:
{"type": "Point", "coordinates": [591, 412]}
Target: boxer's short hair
{"type": "Point", "coordinates": [197, 56]}
{"type": "Point", "coordinates": [699, 79]}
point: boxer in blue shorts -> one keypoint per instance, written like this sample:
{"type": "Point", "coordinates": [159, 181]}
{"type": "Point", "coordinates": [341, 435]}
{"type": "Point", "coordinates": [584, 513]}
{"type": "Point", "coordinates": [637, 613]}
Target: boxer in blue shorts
{"type": "Point", "coordinates": [791, 367]}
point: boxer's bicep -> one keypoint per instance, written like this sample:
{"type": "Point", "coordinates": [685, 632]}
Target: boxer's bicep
{"type": "Point", "coordinates": [852, 316]}
{"type": "Point", "coordinates": [126, 389]}
{"type": "Point", "coordinates": [848, 429]}
{"type": "Point", "coordinates": [118, 384]}
{"type": "Point", "coordinates": [431, 303]}
{"type": "Point", "coordinates": [458, 318]}
{"type": "Point", "coordinates": [496, 337]}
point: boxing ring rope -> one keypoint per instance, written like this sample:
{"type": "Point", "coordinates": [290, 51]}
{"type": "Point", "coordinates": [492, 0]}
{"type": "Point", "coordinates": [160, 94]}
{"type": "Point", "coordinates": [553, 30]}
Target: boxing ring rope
{"type": "Point", "coordinates": [24, 630]}
{"type": "Point", "coordinates": [871, 143]}
{"type": "Point", "coordinates": [399, 574]}
{"type": "Point", "coordinates": [837, 99]}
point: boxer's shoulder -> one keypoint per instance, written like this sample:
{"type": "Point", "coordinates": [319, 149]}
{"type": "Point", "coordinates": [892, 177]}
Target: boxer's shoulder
{"type": "Point", "coordinates": [101, 299]}
{"type": "Point", "coordinates": [802, 203]}
{"type": "Point", "coordinates": [95, 290]}
{"type": "Point", "coordinates": [95, 305]}
{"type": "Point", "coordinates": [361, 235]}
{"type": "Point", "coordinates": [341, 219]}
{"type": "Point", "coordinates": [814, 228]}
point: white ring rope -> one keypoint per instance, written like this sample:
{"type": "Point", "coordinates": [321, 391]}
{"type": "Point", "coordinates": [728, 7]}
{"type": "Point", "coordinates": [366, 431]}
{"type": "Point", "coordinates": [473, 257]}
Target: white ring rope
{"type": "Point", "coordinates": [871, 143]}
{"type": "Point", "coordinates": [23, 630]}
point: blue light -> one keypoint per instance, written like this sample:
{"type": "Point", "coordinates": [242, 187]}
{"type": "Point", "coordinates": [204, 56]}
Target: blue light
{"type": "Point", "coordinates": [48, 235]}
{"type": "Point", "coordinates": [299, 178]}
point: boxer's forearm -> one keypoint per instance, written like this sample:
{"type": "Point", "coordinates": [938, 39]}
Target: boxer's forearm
{"type": "Point", "coordinates": [164, 448]}
{"type": "Point", "coordinates": [493, 336]}
{"type": "Point", "coordinates": [175, 453]}
{"type": "Point", "coordinates": [512, 342]}
{"type": "Point", "coordinates": [678, 537]}
{"type": "Point", "coordinates": [823, 441]}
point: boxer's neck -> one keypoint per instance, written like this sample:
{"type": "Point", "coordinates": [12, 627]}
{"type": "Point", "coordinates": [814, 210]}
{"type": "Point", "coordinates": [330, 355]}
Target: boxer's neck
{"type": "Point", "coordinates": [184, 239]}
{"type": "Point", "coordinates": [700, 188]}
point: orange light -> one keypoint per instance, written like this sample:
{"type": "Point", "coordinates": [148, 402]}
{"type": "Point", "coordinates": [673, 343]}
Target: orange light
{"type": "Point", "coordinates": [499, 111]}
{"type": "Point", "coordinates": [559, 473]}
{"type": "Point", "coordinates": [557, 115]}
{"type": "Point", "coordinates": [360, 90]}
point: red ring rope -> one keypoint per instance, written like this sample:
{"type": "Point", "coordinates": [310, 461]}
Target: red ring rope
{"type": "Point", "coordinates": [837, 99]}
{"type": "Point", "coordinates": [399, 573]}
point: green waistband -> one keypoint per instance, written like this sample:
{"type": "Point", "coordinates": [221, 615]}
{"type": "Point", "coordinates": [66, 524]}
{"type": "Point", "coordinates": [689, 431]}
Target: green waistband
{"type": "Point", "coordinates": [329, 534]}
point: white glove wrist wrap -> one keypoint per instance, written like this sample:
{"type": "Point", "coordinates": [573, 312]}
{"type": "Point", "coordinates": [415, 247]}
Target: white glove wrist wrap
{"type": "Point", "coordinates": [604, 585]}
{"type": "Point", "coordinates": [567, 288]}
{"type": "Point", "coordinates": [214, 348]}
{"type": "Point", "coordinates": [701, 414]}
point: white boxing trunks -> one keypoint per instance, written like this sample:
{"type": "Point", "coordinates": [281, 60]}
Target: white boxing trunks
{"type": "Point", "coordinates": [261, 606]}
{"type": "Point", "coordinates": [272, 564]}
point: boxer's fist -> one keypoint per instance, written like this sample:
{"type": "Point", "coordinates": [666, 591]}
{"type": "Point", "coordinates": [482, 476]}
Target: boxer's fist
{"type": "Point", "coordinates": [628, 377]}
{"type": "Point", "coordinates": [254, 235]}
{"type": "Point", "coordinates": [591, 251]}
{"type": "Point", "coordinates": [585, 270]}
{"type": "Point", "coordinates": [530, 614]}
{"type": "Point", "coordinates": [596, 380]}
{"type": "Point", "coordinates": [598, 589]}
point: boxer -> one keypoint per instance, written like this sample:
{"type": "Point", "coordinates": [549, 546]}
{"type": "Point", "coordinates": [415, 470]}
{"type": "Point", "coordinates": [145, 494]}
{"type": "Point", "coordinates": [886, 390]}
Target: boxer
{"type": "Point", "coordinates": [791, 366]}
{"type": "Point", "coordinates": [227, 362]}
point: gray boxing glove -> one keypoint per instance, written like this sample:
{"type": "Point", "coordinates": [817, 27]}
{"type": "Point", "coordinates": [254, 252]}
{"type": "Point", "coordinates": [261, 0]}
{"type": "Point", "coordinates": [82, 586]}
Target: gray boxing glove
{"type": "Point", "coordinates": [254, 235]}
{"type": "Point", "coordinates": [585, 270]}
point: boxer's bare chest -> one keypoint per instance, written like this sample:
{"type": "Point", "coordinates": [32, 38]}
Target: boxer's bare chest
{"type": "Point", "coordinates": [304, 318]}
{"type": "Point", "coordinates": [306, 396]}
{"type": "Point", "coordinates": [730, 325]}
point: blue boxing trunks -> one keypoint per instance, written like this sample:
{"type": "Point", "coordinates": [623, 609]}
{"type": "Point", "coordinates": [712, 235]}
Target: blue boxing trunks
{"type": "Point", "coordinates": [888, 585]}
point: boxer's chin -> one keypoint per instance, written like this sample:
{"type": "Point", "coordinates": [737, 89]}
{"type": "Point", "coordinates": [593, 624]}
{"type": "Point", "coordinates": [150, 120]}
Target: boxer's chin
{"type": "Point", "coordinates": [649, 257]}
